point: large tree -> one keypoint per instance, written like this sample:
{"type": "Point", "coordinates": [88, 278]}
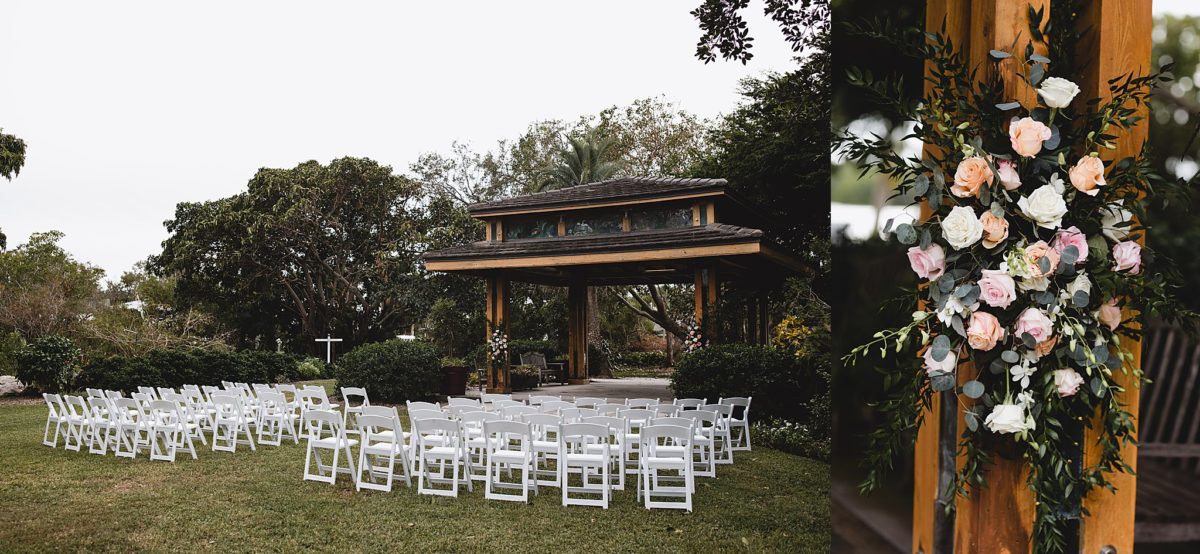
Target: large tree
{"type": "Point", "coordinates": [12, 155]}
{"type": "Point", "coordinates": [726, 32]}
{"type": "Point", "coordinates": [43, 289]}
{"type": "Point", "coordinates": [308, 251]}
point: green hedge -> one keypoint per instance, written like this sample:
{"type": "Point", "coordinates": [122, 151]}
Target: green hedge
{"type": "Point", "coordinates": [392, 371]}
{"type": "Point", "coordinates": [781, 385]}
{"type": "Point", "coordinates": [48, 363]}
{"type": "Point", "coordinates": [175, 368]}
{"type": "Point", "coordinates": [653, 358]}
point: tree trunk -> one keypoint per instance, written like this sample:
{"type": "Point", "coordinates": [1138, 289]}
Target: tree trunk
{"type": "Point", "coordinates": [600, 364]}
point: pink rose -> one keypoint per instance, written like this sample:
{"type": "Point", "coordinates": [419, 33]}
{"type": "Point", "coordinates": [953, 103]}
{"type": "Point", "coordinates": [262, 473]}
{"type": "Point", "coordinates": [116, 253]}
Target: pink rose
{"type": "Point", "coordinates": [1034, 253]}
{"type": "Point", "coordinates": [997, 288]}
{"type": "Point", "coordinates": [929, 263]}
{"type": "Point", "coordinates": [1128, 256]}
{"type": "Point", "coordinates": [1034, 322]}
{"type": "Point", "coordinates": [995, 229]}
{"type": "Point", "coordinates": [1087, 175]}
{"type": "Point", "coordinates": [947, 364]}
{"type": "Point", "coordinates": [984, 331]}
{"type": "Point", "coordinates": [1067, 381]}
{"type": "Point", "coordinates": [1110, 314]}
{"type": "Point", "coordinates": [1027, 136]}
{"type": "Point", "coordinates": [1071, 236]}
{"type": "Point", "coordinates": [971, 175]}
{"type": "Point", "coordinates": [1007, 171]}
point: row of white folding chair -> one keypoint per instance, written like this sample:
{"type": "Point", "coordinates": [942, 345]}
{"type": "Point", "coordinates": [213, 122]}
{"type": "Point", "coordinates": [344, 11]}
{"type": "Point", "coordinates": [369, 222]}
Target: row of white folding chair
{"type": "Point", "coordinates": [101, 420]}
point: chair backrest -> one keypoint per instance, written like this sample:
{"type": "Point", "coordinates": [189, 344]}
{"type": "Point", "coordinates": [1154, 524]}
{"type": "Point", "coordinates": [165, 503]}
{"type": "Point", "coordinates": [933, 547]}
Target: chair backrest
{"type": "Point", "coordinates": [515, 412]}
{"type": "Point", "coordinates": [316, 421]}
{"type": "Point", "coordinates": [511, 435]}
{"type": "Point", "coordinates": [384, 411]}
{"type": "Point", "coordinates": [724, 411]}
{"type": "Point", "coordinates": [442, 427]}
{"type": "Point", "coordinates": [95, 393]}
{"type": "Point", "coordinates": [164, 412]}
{"type": "Point", "coordinates": [536, 400]}
{"type": "Point", "coordinates": [125, 410]}
{"type": "Point", "coordinates": [690, 403]}
{"type": "Point", "coordinates": [553, 406]}
{"type": "Point", "coordinates": [636, 416]}
{"type": "Point", "coordinates": [98, 406]}
{"type": "Point", "coordinates": [288, 390]}
{"type": "Point", "coordinates": [543, 426]}
{"type": "Point", "coordinates": [666, 410]}
{"type": "Point", "coordinates": [355, 398]}
{"type": "Point", "coordinates": [742, 402]}
{"type": "Point", "coordinates": [114, 394]}
{"type": "Point", "coordinates": [373, 427]}
{"type": "Point", "coordinates": [163, 391]}
{"type": "Point", "coordinates": [589, 402]}
{"type": "Point", "coordinates": [501, 404]}
{"type": "Point", "coordinates": [469, 402]}
{"type": "Point", "coordinates": [705, 420]}
{"type": "Point", "coordinates": [228, 406]}
{"type": "Point", "coordinates": [150, 393]}
{"type": "Point", "coordinates": [260, 388]}
{"type": "Point", "coordinates": [475, 420]}
{"type": "Point", "coordinates": [677, 421]}
{"type": "Point", "coordinates": [54, 403]}
{"type": "Point", "coordinates": [611, 409]}
{"type": "Point", "coordinates": [142, 398]}
{"type": "Point", "coordinates": [227, 385]}
{"type": "Point", "coordinates": [654, 436]}
{"type": "Point", "coordinates": [272, 402]}
{"type": "Point", "coordinates": [417, 415]}
{"type": "Point", "coordinates": [1169, 423]}
{"type": "Point", "coordinates": [577, 436]}
{"type": "Point", "coordinates": [422, 406]}
{"type": "Point", "coordinates": [641, 402]}
{"type": "Point", "coordinates": [616, 426]}
{"type": "Point", "coordinates": [488, 398]}
{"type": "Point", "coordinates": [210, 390]}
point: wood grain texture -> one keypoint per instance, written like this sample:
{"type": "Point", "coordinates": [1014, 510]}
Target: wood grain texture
{"type": "Point", "coordinates": [1119, 43]}
{"type": "Point", "coordinates": [577, 332]}
{"type": "Point", "coordinates": [497, 318]}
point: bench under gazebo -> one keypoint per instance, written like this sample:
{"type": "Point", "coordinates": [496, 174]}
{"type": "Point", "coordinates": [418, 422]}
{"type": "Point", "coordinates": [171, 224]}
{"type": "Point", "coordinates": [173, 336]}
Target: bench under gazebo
{"type": "Point", "coordinates": [627, 231]}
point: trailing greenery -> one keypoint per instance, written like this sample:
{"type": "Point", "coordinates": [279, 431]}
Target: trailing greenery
{"type": "Point", "coordinates": [782, 386]}
{"type": "Point", "coordinates": [48, 363]}
{"type": "Point", "coordinates": [393, 371]}
{"type": "Point", "coordinates": [175, 368]}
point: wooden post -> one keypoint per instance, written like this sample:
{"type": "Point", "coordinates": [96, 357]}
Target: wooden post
{"type": "Point", "coordinates": [707, 296]}
{"type": "Point", "coordinates": [1117, 43]}
{"type": "Point", "coordinates": [497, 318]}
{"type": "Point", "coordinates": [577, 334]}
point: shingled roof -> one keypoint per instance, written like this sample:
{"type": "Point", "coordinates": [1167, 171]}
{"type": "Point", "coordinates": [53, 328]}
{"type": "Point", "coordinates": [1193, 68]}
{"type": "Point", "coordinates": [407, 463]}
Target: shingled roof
{"type": "Point", "coordinates": [684, 237]}
{"type": "Point", "coordinates": [624, 188]}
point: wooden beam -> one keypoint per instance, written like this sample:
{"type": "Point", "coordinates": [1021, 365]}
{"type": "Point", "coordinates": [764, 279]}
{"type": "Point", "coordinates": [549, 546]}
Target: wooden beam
{"type": "Point", "coordinates": [591, 205]}
{"type": "Point", "coordinates": [497, 318]}
{"type": "Point", "coordinates": [1118, 43]}
{"type": "Point", "coordinates": [599, 258]}
{"type": "Point", "coordinates": [577, 332]}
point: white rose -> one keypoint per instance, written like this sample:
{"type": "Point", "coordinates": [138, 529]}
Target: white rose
{"type": "Point", "coordinates": [1081, 283]}
{"type": "Point", "coordinates": [1008, 418]}
{"type": "Point", "coordinates": [1057, 92]}
{"type": "Point", "coordinates": [1034, 283]}
{"type": "Point", "coordinates": [1044, 206]}
{"type": "Point", "coordinates": [962, 228]}
{"type": "Point", "coordinates": [1110, 217]}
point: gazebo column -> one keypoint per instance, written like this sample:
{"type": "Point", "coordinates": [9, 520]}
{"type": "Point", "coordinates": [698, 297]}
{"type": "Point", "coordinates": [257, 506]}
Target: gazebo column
{"type": "Point", "coordinates": [497, 318]}
{"type": "Point", "coordinates": [707, 291]}
{"type": "Point", "coordinates": [577, 334]}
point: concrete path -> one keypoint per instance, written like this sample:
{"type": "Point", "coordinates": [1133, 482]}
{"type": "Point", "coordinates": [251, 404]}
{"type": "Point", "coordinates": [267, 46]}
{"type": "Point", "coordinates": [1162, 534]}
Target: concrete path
{"type": "Point", "coordinates": [627, 387]}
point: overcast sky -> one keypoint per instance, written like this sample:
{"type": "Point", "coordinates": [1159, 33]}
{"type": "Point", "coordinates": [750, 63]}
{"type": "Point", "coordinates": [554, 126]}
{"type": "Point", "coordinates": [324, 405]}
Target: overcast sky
{"type": "Point", "coordinates": [131, 107]}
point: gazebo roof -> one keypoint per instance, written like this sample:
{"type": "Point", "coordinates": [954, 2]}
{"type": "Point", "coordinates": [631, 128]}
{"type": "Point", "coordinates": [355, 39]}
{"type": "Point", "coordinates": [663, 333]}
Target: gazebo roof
{"type": "Point", "coordinates": [625, 190]}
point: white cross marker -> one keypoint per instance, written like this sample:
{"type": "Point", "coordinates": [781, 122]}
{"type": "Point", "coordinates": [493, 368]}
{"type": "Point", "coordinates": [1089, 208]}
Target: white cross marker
{"type": "Point", "coordinates": [329, 340]}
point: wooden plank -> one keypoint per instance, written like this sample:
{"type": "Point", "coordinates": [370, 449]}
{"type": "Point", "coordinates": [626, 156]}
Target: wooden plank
{"type": "Point", "coordinates": [591, 205]}
{"type": "Point", "coordinates": [1119, 42]}
{"type": "Point", "coordinates": [497, 318]}
{"type": "Point", "coordinates": [604, 258]}
{"type": "Point", "coordinates": [577, 327]}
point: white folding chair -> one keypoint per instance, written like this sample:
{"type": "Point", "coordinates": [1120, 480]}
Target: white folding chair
{"type": "Point", "coordinates": [382, 445]}
{"type": "Point", "coordinates": [475, 441]}
{"type": "Point", "coordinates": [231, 417]}
{"type": "Point", "coordinates": [170, 426]}
{"type": "Point", "coordinates": [536, 400]}
{"type": "Point", "coordinates": [447, 450]}
{"type": "Point", "coordinates": [723, 440]}
{"type": "Point", "coordinates": [704, 425]}
{"type": "Point", "coordinates": [150, 393]}
{"type": "Point", "coordinates": [616, 451]}
{"type": "Point", "coordinates": [635, 419]}
{"type": "Point", "coordinates": [465, 402]}
{"type": "Point", "coordinates": [515, 413]}
{"type": "Point", "coordinates": [355, 398]}
{"type": "Point", "coordinates": [489, 398]}
{"type": "Point", "coordinates": [276, 418]}
{"type": "Point", "coordinates": [665, 448]}
{"type": "Point", "coordinates": [334, 439]}
{"type": "Point", "coordinates": [131, 431]}
{"type": "Point", "coordinates": [689, 403]}
{"type": "Point", "coordinates": [544, 428]}
{"type": "Point", "coordinates": [78, 422]}
{"type": "Point", "coordinates": [422, 406]}
{"type": "Point", "coordinates": [99, 424]}
{"type": "Point", "coordinates": [739, 419]}
{"type": "Point", "coordinates": [57, 414]}
{"type": "Point", "coordinates": [501, 404]}
{"type": "Point", "coordinates": [665, 410]}
{"type": "Point", "coordinates": [589, 402]}
{"type": "Point", "coordinates": [641, 403]}
{"type": "Point", "coordinates": [508, 448]}
{"type": "Point", "coordinates": [610, 409]}
{"type": "Point", "coordinates": [583, 450]}
{"type": "Point", "coordinates": [553, 406]}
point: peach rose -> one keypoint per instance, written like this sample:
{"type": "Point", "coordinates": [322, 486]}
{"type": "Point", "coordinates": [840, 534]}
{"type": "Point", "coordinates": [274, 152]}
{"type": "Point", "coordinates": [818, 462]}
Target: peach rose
{"type": "Point", "coordinates": [1009, 178]}
{"type": "Point", "coordinates": [1087, 175]}
{"type": "Point", "coordinates": [1071, 236]}
{"type": "Point", "coordinates": [1034, 322]}
{"type": "Point", "coordinates": [972, 174]}
{"type": "Point", "coordinates": [1045, 346]}
{"type": "Point", "coordinates": [995, 229]}
{"type": "Point", "coordinates": [1128, 256]}
{"type": "Point", "coordinates": [1034, 253]}
{"type": "Point", "coordinates": [929, 263]}
{"type": "Point", "coordinates": [1110, 314]}
{"type": "Point", "coordinates": [984, 331]}
{"type": "Point", "coordinates": [1027, 136]}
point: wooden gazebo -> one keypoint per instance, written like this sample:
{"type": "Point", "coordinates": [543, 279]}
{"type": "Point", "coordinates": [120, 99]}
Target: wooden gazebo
{"type": "Point", "coordinates": [626, 231]}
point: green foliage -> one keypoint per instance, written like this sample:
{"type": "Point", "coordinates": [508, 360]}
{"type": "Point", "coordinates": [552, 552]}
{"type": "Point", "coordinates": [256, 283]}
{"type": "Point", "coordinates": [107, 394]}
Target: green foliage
{"type": "Point", "coordinates": [448, 328]}
{"type": "Point", "coordinates": [392, 371]}
{"type": "Point", "coordinates": [48, 363]}
{"type": "Point", "coordinates": [43, 289]}
{"type": "Point", "coordinates": [725, 30]}
{"type": "Point", "coordinates": [516, 347]}
{"type": "Point", "coordinates": [523, 377]}
{"type": "Point", "coordinates": [454, 362]}
{"type": "Point", "coordinates": [586, 159]}
{"type": "Point", "coordinates": [309, 368]}
{"type": "Point", "coordinates": [654, 358]}
{"type": "Point", "coordinates": [791, 436]}
{"type": "Point", "coordinates": [12, 155]}
{"type": "Point", "coordinates": [10, 343]}
{"type": "Point", "coordinates": [781, 385]}
{"type": "Point", "coordinates": [175, 368]}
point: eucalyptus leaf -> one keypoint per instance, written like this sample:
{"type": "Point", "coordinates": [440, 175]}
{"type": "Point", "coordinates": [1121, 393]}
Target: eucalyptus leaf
{"type": "Point", "coordinates": [1054, 140]}
{"type": "Point", "coordinates": [1080, 299]}
{"type": "Point", "coordinates": [926, 238]}
{"type": "Point", "coordinates": [972, 420]}
{"type": "Point", "coordinates": [921, 185]}
{"type": "Point", "coordinates": [1069, 256]}
{"type": "Point", "coordinates": [941, 381]}
{"type": "Point", "coordinates": [1028, 339]}
{"type": "Point", "coordinates": [1010, 356]}
{"type": "Point", "coordinates": [906, 234]}
{"type": "Point", "coordinates": [957, 324]}
{"type": "Point", "coordinates": [973, 389]}
{"type": "Point", "coordinates": [1008, 106]}
{"type": "Point", "coordinates": [941, 347]}
{"type": "Point", "coordinates": [998, 55]}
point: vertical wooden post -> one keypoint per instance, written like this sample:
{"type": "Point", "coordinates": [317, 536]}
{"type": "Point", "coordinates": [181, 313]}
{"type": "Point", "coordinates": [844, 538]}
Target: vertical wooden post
{"type": "Point", "coordinates": [707, 295]}
{"type": "Point", "coordinates": [497, 318]}
{"type": "Point", "coordinates": [577, 334]}
{"type": "Point", "coordinates": [1117, 43]}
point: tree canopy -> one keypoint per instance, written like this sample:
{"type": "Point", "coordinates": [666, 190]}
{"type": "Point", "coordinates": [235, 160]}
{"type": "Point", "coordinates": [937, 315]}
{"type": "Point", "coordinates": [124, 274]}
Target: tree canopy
{"type": "Point", "coordinates": [43, 289]}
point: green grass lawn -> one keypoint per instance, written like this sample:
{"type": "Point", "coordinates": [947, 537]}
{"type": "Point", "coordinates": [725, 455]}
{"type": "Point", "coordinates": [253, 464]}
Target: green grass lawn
{"type": "Point", "coordinates": [52, 499]}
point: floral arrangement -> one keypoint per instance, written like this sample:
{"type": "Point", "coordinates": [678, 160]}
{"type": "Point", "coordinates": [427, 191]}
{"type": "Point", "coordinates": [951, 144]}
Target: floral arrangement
{"type": "Point", "coordinates": [1032, 266]}
{"type": "Point", "coordinates": [694, 340]}
{"type": "Point", "coordinates": [498, 347]}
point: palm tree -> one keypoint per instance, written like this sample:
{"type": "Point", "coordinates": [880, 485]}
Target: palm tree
{"type": "Point", "coordinates": [585, 159]}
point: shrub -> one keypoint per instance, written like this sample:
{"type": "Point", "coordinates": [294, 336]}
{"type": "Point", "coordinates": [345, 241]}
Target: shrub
{"type": "Point", "coordinates": [450, 361]}
{"type": "Point", "coordinates": [655, 358]}
{"type": "Point", "coordinates": [522, 346]}
{"type": "Point", "coordinates": [523, 377]}
{"type": "Point", "coordinates": [48, 363]}
{"type": "Point", "coordinates": [781, 385]}
{"type": "Point", "coordinates": [309, 368]}
{"type": "Point", "coordinates": [392, 371]}
{"type": "Point", "coordinates": [175, 368]}
{"type": "Point", "coordinates": [792, 437]}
